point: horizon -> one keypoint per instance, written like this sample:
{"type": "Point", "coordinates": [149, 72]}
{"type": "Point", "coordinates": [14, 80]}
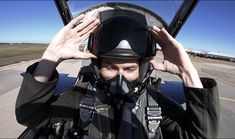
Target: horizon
{"type": "Point", "coordinates": [186, 49]}
{"type": "Point", "coordinates": [210, 27]}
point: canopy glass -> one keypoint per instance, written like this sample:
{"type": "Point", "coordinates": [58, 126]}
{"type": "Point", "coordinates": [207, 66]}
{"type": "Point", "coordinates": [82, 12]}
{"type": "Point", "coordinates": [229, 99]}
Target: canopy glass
{"type": "Point", "coordinates": [165, 9]}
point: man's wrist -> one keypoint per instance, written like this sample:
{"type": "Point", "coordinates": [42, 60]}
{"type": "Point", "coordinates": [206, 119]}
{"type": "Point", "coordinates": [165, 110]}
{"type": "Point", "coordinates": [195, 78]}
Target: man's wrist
{"type": "Point", "coordinates": [50, 56]}
{"type": "Point", "coordinates": [191, 79]}
{"type": "Point", "coordinates": [46, 66]}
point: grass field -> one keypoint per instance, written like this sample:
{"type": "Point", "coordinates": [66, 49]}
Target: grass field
{"type": "Point", "coordinates": [7, 50]}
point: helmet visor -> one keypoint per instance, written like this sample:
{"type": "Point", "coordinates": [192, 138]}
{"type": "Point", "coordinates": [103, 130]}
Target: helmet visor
{"type": "Point", "coordinates": [122, 37]}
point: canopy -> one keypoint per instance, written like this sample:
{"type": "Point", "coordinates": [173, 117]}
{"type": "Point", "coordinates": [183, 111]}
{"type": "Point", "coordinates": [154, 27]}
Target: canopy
{"type": "Point", "coordinates": [170, 14]}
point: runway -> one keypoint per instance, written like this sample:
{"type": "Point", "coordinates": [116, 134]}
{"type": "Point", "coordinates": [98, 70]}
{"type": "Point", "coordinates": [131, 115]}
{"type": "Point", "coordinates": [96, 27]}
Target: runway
{"type": "Point", "coordinates": [223, 73]}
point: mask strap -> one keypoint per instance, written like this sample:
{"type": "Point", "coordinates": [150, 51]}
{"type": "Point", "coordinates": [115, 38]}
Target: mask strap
{"type": "Point", "coordinates": [119, 83]}
{"type": "Point", "coordinates": [120, 79]}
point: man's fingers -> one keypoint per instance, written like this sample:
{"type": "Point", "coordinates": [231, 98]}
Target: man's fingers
{"type": "Point", "coordinates": [162, 37]}
{"type": "Point", "coordinates": [157, 37]}
{"type": "Point", "coordinates": [166, 34]}
{"type": "Point", "coordinates": [84, 55]}
{"type": "Point", "coordinates": [81, 39]}
{"type": "Point", "coordinates": [86, 35]}
{"type": "Point", "coordinates": [89, 27]}
{"type": "Point", "coordinates": [157, 29]}
{"type": "Point", "coordinates": [84, 24]}
{"type": "Point", "coordinates": [155, 34]}
{"type": "Point", "coordinates": [162, 33]}
{"type": "Point", "coordinates": [76, 21]}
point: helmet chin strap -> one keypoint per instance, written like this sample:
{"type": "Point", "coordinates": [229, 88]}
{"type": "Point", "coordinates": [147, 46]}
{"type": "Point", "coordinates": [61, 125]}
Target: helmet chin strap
{"type": "Point", "coordinates": [145, 69]}
{"type": "Point", "coordinates": [96, 68]}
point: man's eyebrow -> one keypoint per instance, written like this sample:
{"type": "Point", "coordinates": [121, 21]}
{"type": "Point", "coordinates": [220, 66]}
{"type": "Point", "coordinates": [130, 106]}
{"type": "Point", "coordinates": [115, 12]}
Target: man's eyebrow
{"type": "Point", "coordinates": [131, 66]}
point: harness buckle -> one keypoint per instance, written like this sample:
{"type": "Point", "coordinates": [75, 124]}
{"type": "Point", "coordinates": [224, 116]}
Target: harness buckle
{"type": "Point", "coordinates": [153, 117]}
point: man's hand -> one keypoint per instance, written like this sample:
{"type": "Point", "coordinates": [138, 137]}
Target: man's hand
{"type": "Point", "coordinates": [176, 60]}
{"type": "Point", "coordinates": [66, 43]}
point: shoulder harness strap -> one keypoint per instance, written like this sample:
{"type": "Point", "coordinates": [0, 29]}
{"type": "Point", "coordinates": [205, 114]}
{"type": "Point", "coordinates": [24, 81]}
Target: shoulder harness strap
{"type": "Point", "coordinates": [94, 114]}
{"type": "Point", "coordinates": [86, 108]}
{"type": "Point", "coordinates": [153, 110]}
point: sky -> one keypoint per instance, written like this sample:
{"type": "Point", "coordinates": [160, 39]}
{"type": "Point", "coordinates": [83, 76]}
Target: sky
{"type": "Point", "coordinates": [211, 26]}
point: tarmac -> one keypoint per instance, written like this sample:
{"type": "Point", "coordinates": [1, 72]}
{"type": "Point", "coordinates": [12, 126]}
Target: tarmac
{"type": "Point", "coordinates": [222, 72]}
{"type": "Point", "coordinates": [11, 80]}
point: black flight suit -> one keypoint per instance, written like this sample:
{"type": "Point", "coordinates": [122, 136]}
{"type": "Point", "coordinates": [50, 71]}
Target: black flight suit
{"type": "Point", "coordinates": [36, 105]}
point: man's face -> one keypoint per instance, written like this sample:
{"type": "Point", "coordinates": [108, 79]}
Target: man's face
{"type": "Point", "coordinates": [127, 67]}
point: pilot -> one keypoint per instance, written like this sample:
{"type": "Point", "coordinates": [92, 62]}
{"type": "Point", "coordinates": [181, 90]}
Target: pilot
{"type": "Point", "coordinates": [116, 97]}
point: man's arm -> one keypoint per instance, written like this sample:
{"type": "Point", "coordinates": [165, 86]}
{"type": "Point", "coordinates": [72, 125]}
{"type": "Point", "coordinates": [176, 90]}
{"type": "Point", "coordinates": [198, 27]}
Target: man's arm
{"type": "Point", "coordinates": [201, 117]}
{"type": "Point", "coordinates": [40, 80]}
{"type": "Point", "coordinates": [32, 101]}
{"type": "Point", "coordinates": [203, 109]}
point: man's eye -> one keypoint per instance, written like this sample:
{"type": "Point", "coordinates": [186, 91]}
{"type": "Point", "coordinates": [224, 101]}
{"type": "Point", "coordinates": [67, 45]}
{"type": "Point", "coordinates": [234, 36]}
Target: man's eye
{"type": "Point", "coordinates": [109, 67]}
{"type": "Point", "coordinates": [130, 69]}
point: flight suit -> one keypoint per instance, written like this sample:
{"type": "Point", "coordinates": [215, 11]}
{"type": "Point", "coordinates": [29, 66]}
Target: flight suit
{"type": "Point", "coordinates": [36, 106]}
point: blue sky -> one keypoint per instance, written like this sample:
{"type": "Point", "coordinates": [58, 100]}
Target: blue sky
{"type": "Point", "coordinates": [211, 27]}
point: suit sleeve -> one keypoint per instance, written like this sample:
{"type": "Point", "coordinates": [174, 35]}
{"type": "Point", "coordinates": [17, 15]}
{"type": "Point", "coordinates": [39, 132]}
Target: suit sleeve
{"type": "Point", "coordinates": [201, 117]}
{"type": "Point", "coordinates": [33, 98]}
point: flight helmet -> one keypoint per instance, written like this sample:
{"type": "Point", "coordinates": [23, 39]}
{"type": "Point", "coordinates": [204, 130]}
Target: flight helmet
{"type": "Point", "coordinates": [122, 37]}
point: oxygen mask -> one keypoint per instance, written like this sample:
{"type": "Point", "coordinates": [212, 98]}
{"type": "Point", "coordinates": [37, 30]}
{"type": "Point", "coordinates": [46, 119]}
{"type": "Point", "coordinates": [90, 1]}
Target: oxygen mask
{"type": "Point", "coordinates": [119, 85]}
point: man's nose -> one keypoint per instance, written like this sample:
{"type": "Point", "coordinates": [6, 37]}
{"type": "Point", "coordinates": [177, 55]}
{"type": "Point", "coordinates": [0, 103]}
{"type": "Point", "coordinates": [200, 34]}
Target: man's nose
{"type": "Point", "coordinates": [120, 71]}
